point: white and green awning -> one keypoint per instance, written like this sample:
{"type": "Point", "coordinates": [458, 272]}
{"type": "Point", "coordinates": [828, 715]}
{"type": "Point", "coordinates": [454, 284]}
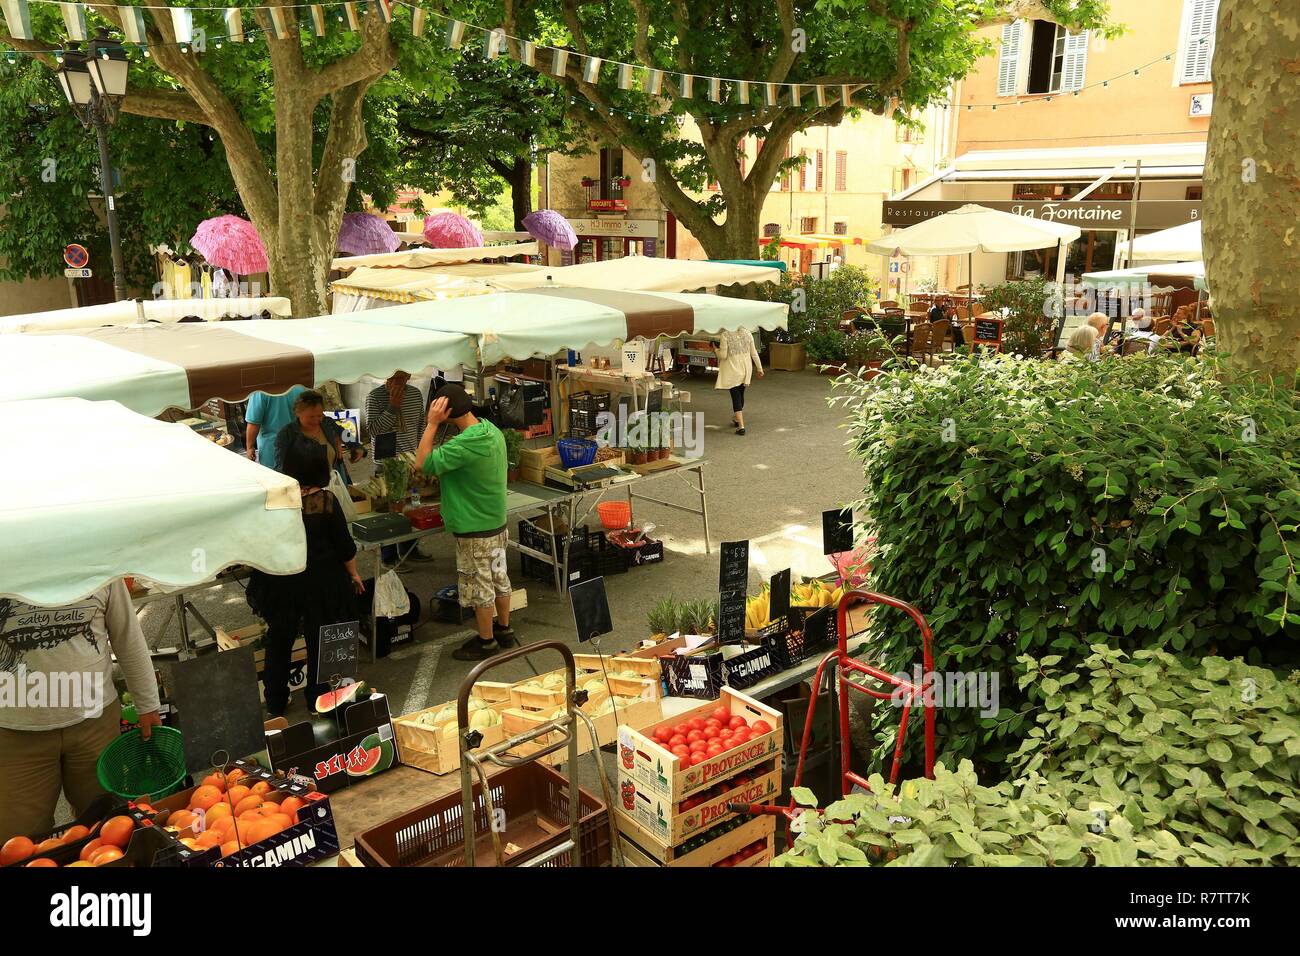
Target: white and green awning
{"type": "Point", "coordinates": [95, 492]}
{"type": "Point", "coordinates": [155, 367]}
{"type": "Point", "coordinates": [544, 322]}
{"type": "Point", "coordinates": [1193, 272]}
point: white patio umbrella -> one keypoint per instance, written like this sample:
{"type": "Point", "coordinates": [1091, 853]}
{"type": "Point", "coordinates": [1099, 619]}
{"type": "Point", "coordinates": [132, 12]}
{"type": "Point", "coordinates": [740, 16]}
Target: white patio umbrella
{"type": "Point", "coordinates": [973, 228]}
{"type": "Point", "coordinates": [1179, 244]}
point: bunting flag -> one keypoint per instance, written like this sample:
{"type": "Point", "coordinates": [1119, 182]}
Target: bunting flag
{"type": "Point", "coordinates": [417, 21]}
{"type": "Point", "coordinates": [654, 82]}
{"type": "Point", "coordinates": [18, 19]}
{"type": "Point", "coordinates": [846, 94]}
{"type": "Point", "coordinates": [528, 53]}
{"type": "Point", "coordinates": [354, 19]}
{"type": "Point", "coordinates": [495, 43]}
{"type": "Point", "coordinates": [821, 95]}
{"type": "Point", "coordinates": [796, 94]}
{"type": "Point", "coordinates": [687, 86]}
{"type": "Point", "coordinates": [183, 24]}
{"type": "Point", "coordinates": [318, 20]}
{"type": "Point", "coordinates": [279, 22]}
{"type": "Point", "coordinates": [769, 93]}
{"type": "Point", "coordinates": [591, 72]}
{"type": "Point", "coordinates": [235, 24]}
{"type": "Point", "coordinates": [74, 19]}
{"type": "Point", "coordinates": [625, 76]}
{"type": "Point", "coordinates": [559, 62]}
{"type": "Point", "coordinates": [455, 34]}
{"type": "Point", "coordinates": [132, 23]}
{"type": "Point", "coordinates": [385, 8]}
{"type": "Point", "coordinates": [715, 89]}
{"type": "Point", "coordinates": [742, 92]}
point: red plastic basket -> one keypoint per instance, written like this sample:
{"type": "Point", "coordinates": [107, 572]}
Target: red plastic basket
{"type": "Point", "coordinates": [614, 515]}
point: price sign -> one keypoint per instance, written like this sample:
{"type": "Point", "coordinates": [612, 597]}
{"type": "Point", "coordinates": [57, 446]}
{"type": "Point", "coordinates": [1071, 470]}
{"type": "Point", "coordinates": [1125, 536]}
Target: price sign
{"type": "Point", "coordinates": [779, 595]}
{"type": "Point", "coordinates": [733, 566]}
{"type": "Point", "coordinates": [590, 609]}
{"type": "Point", "coordinates": [336, 652]}
{"type": "Point", "coordinates": [988, 334]}
{"type": "Point", "coordinates": [731, 617]}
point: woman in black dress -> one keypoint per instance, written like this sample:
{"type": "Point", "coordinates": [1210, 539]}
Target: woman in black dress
{"type": "Point", "coordinates": [324, 593]}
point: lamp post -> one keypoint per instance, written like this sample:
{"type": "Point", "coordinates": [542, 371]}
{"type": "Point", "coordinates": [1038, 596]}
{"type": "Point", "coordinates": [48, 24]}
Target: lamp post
{"type": "Point", "coordinates": [95, 84]}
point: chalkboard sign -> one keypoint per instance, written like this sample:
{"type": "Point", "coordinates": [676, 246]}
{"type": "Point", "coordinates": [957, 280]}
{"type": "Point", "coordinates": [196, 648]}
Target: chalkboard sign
{"type": "Point", "coordinates": [988, 332]}
{"type": "Point", "coordinates": [336, 652]}
{"type": "Point", "coordinates": [779, 595]}
{"type": "Point", "coordinates": [733, 566]}
{"type": "Point", "coordinates": [590, 609]}
{"type": "Point", "coordinates": [217, 706]}
{"type": "Point", "coordinates": [655, 400]}
{"type": "Point", "coordinates": [837, 531]}
{"type": "Point", "coordinates": [731, 617]}
{"type": "Point", "coordinates": [385, 446]}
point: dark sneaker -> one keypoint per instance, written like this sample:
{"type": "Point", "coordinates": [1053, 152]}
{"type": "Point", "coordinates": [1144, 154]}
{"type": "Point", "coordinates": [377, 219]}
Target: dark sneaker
{"type": "Point", "coordinates": [475, 649]}
{"type": "Point", "coordinates": [505, 636]}
{"type": "Point", "coordinates": [740, 431]}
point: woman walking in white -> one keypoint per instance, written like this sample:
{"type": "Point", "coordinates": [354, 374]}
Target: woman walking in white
{"type": "Point", "coordinates": [737, 358]}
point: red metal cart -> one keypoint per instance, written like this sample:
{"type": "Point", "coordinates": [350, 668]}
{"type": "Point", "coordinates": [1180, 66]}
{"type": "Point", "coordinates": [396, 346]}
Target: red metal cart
{"type": "Point", "coordinates": [908, 692]}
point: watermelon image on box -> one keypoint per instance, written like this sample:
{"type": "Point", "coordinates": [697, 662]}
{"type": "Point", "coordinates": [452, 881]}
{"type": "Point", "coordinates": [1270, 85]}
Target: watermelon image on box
{"type": "Point", "coordinates": [372, 755]}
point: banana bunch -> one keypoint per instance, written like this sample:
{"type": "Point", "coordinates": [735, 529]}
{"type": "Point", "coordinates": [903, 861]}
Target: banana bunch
{"type": "Point", "coordinates": [815, 594]}
{"type": "Point", "coordinates": [757, 611]}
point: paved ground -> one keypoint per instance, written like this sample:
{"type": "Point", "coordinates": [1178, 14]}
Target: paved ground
{"type": "Point", "coordinates": [770, 486]}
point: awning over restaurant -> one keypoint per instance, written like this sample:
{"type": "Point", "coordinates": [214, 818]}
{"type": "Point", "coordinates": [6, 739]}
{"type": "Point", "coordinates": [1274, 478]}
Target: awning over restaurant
{"type": "Point", "coordinates": [155, 367]}
{"type": "Point", "coordinates": [1181, 243]}
{"type": "Point", "coordinates": [544, 322]}
{"type": "Point", "coordinates": [148, 310]}
{"type": "Point", "coordinates": [1193, 272]}
{"type": "Point", "coordinates": [99, 492]}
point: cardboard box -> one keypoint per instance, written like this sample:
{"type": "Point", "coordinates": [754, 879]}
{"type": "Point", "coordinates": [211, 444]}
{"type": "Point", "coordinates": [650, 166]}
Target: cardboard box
{"type": "Point", "coordinates": [366, 725]}
{"type": "Point", "coordinates": [638, 849]}
{"type": "Point", "coordinates": [669, 826]}
{"type": "Point", "coordinates": [658, 771]}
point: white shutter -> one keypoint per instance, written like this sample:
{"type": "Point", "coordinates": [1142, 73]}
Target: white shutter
{"type": "Point", "coordinates": [1198, 40]}
{"type": "Point", "coordinates": [1009, 60]}
{"type": "Point", "coordinates": [1076, 61]}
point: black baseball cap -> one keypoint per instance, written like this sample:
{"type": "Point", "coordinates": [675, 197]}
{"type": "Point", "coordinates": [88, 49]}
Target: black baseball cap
{"type": "Point", "coordinates": [458, 400]}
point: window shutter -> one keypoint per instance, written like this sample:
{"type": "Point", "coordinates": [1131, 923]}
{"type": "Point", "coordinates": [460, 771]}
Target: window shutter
{"type": "Point", "coordinates": [820, 171]}
{"type": "Point", "coordinates": [1198, 40]}
{"type": "Point", "coordinates": [785, 176]}
{"type": "Point", "coordinates": [1076, 61]}
{"type": "Point", "coordinates": [1009, 60]}
{"type": "Point", "coordinates": [841, 170]}
{"type": "Point", "coordinates": [803, 171]}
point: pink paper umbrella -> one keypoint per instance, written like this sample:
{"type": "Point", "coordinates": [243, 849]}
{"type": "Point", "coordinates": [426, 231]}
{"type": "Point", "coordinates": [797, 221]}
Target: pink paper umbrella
{"type": "Point", "coordinates": [548, 226]}
{"type": "Point", "coordinates": [231, 243]}
{"type": "Point", "coordinates": [449, 230]}
{"type": "Point", "coordinates": [363, 234]}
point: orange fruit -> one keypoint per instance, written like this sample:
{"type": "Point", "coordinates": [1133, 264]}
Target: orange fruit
{"type": "Point", "coordinates": [217, 780]}
{"type": "Point", "coordinates": [290, 807]}
{"type": "Point", "coordinates": [224, 826]}
{"type": "Point", "coordinates": [262, 829]}
{"type": "Point", "coordinates": [105, 854]}
{"type": "Point", "coordinates": [192, 843]}
{"type": "Point", "coordinates": [204, 797]}
{"type": "Point", "coordinates": [250, 802]}
{"type": "Point", "coordinates": [89, 849]}
{"type": "Point", "coordinates": [180, 819]}
{"type": "Point", "coordinates": [235, 794]}
{"type": "Point", "coordinates": [229, 848]}
{"type": "Point", "coordinates": [16, 850]}
{"type": "Point", "coordinates": [282, 820]}
{"type": "Point", "coordinates": [45, 846]}
{"type": "Point", "coordinates": [73, 834]}
{"type": "Point", "coordinates": [234, 777]}
{"type": "Point", "coordinates": [81, 863]}
{"type": "Point", "coordinates": [261, 787]}
{"type": "Point", "coordinates": [42, 861]}
{"type": "Point", "coordinates": [221, 811]}
{"type": "Point", "coordinates": [208, 838]}
{"type": "Point", "coordinates": [117, 831]}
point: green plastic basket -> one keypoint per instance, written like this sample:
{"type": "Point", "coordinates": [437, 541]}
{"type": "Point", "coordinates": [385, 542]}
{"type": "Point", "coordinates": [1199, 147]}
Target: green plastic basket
{"type": "Point", "coordinates": [131, 766]}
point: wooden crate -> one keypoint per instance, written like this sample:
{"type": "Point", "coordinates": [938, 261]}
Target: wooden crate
{"type": "Point", "coordinates": [641, 713]}
{"type": "Point", "coordinates": [430, 748]}
{"type": "Point", "coordinates": [646, 667]}
{"type": "Point", "coordinates": [668, 826]}
{"type": "Point", "coordinates": [765, 856]}
{"type": "Point", "coordinates": [634, 843]}
{"type": "Point", "coordinates": [494, 692]}
{"type": "Point", "coordinates": [657, 770]}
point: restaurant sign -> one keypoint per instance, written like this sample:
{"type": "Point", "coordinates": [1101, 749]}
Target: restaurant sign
{"type": "Point", "coordinates": [1151, 213]}
{"type": "Point", "coordinates": [631, 228]}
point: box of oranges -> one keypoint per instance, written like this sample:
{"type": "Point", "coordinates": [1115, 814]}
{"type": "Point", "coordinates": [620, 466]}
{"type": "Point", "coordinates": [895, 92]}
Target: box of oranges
{"type": "Point", "coordinates": [245, 815]}
{"type": "Point", "coordinates": [109, 833]}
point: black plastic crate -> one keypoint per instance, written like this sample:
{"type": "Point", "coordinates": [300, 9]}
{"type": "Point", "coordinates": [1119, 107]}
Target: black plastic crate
{"type": "Point", "coordinates": [584, 421]}
{"type": "Point", "coordinates": [810, 633]}
{"type": "Point", "coordinates": [693, 675]}
{"type": "Point", "coordinates": [590, 402]}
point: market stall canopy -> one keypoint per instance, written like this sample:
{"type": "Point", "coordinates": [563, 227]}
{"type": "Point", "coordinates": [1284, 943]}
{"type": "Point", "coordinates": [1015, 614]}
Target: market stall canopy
{"type": "Point", "coordinates": [1181, 243]}
{"type": "Point", "coordinates": [419, 258]}
{"type": "Point", "coordinates": [152, 368]}
{"type": "Point", "coordinates": [106, 493]}
{"type": "Point", "coordinates": [1193, 272]}
{"type": "Point", "coordinates": [406, 285]}
{"type": "Point", "coordinates": [973, 228]}
{"type": "Point", "coordinates": [639, 274]}
{"type": "Point", "coordinates": [544, 322]}
{"type": "Point", "coordinates": [147, 310]}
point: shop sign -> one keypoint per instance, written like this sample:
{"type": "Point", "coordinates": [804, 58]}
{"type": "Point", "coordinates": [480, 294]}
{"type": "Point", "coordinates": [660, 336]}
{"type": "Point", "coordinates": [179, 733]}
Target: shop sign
{"type": "Point", "coordinates": [632, 228]}
{"type": "Point", "coordinates": [607, 205]}
{"type": "Point", "coordinates": [1151, 213]}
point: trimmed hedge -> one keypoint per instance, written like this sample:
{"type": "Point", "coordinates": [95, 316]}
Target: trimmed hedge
{"type": "Point", "coordinates": [1041, 507]}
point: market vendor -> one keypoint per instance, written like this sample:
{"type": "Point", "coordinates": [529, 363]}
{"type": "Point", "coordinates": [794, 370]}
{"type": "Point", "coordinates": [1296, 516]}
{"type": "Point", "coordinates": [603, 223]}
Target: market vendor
{"type": "Point", "coordinates": [396, 406]}
{"type": "Point", "coordinates": [58, 704]}
{"type": "Point", "coordinates": [265, 416]}
{"type": "Point", "coordinates": [309, 422]}
{"type": "Point", "coordinates": [471, 469]}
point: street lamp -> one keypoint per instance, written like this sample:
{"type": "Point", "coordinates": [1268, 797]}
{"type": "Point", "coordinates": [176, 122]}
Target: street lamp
{"type": "Point", "coordinates": [95, 84]}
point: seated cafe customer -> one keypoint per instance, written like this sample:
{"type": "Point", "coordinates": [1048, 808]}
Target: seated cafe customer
{"type": "Point", "coordinates": [1080, 346]}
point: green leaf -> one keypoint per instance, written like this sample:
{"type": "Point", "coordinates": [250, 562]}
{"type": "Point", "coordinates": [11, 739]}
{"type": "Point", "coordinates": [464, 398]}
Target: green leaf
{"type": "Point", "coordinates": [803, 797]}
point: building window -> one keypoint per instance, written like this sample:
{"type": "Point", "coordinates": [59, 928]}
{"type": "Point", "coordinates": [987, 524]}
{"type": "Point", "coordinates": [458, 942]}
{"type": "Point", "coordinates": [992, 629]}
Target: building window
{"type": "Point", "coordinates": [611, 171]}
{"type": "Point", "coordinates": [841, 227]}
{"type": "Point", "coordinates": [841, 170]}
{"type": "Point", "coordinates": [1049, 192]}
{"type": "Point", "coordinates": [771, 229]}
{"type": "Point", "coordinates": [803, 171]}
{"type": "Point", "coordinates": [1009, 60]}
{"type": "Point", "coordinates": [1057, 59]}
{"type": "Point", "coordinates": [808, 224]}
{"type": "Point", "coordinates": [1194, 192]}
{"type": "Point", "coordinates": [908, 134]}
{"type": "Point", "coordinates": [902, 180]}
{"type": "Point", "coordinates": [785, 176]}
{"type": "Point", "coordinates": [1196, 42]}
{"type": "Point", "coordinates": [821, 171]}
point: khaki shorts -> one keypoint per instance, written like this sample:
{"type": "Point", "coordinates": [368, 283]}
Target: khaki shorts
{"type": "Point", "coordinates": [481, 570]}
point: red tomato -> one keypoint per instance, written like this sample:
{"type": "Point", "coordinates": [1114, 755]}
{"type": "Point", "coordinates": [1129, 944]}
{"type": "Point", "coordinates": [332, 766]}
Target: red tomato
{"type": "Point", "coordinates": [712, 722]}
{"type": "Point", "coordinates": [714, 751]}
{"type": "Point", "coordinates": [688, 804]}
{"type": "Point", "coordinates": [736, 722]}
{"type": "Point", "coordinates": [663, 734]}
{"type": "Point", "coordinates": [697, 746]}
{"type": "Point", "coordinates": [710, 733]}
{"type": "Point", "coordinates": [698, 758]}
{"type": "Point", "coordinates": [741, 737]}
{"type": "Point", "coordinates": [682, 752]}
{"type": "Point", "coordinates": [676, 740]}
{"type": "Point", "coordinates": [682, 729]}
{"type": "Point", "coordinates": [761, 727]}
{"type": "Point", "coordinates": [744, 780]}
{"type": "Point", "coordinates": [697, 723]}
{"type": "Point", "coordinates": [694, 735]}
{"type": "Point", "coordinates": [721, 714]}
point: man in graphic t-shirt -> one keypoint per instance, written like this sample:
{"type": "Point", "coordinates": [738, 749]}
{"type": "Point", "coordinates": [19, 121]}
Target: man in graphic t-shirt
{"type": "Point", "coordinates": [58, 706]}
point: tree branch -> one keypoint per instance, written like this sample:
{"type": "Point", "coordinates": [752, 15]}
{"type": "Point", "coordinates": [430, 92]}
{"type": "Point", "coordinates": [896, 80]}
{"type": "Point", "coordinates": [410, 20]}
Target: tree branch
{"type": "Point", "coordinates": [345, 140]}
{"type": "Point", "coordinates": [30, 46]}
{"type": "Point", "coordinates": [166, 105]}
{"type": "Point", "coordinates": [376, 56]}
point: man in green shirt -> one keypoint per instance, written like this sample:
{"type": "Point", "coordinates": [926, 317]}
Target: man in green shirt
{"type": "Point", "coordinates": [471, 470]}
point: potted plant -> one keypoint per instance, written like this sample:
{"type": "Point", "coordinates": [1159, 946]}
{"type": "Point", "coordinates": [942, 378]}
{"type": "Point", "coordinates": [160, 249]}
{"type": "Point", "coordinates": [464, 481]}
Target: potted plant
{"type": "Point", "coordinates": [867, 351]}
{"type": "Point", "coordinates": [397, 479]}
{"type": "Point", "coordinates": [635, 454]}
{"type": "Point", "coordinates": [826, 348]}
{"type": "Point", "coordinates": [514, 444]}
{"type": "Point", "coordinates": [624, 182]}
